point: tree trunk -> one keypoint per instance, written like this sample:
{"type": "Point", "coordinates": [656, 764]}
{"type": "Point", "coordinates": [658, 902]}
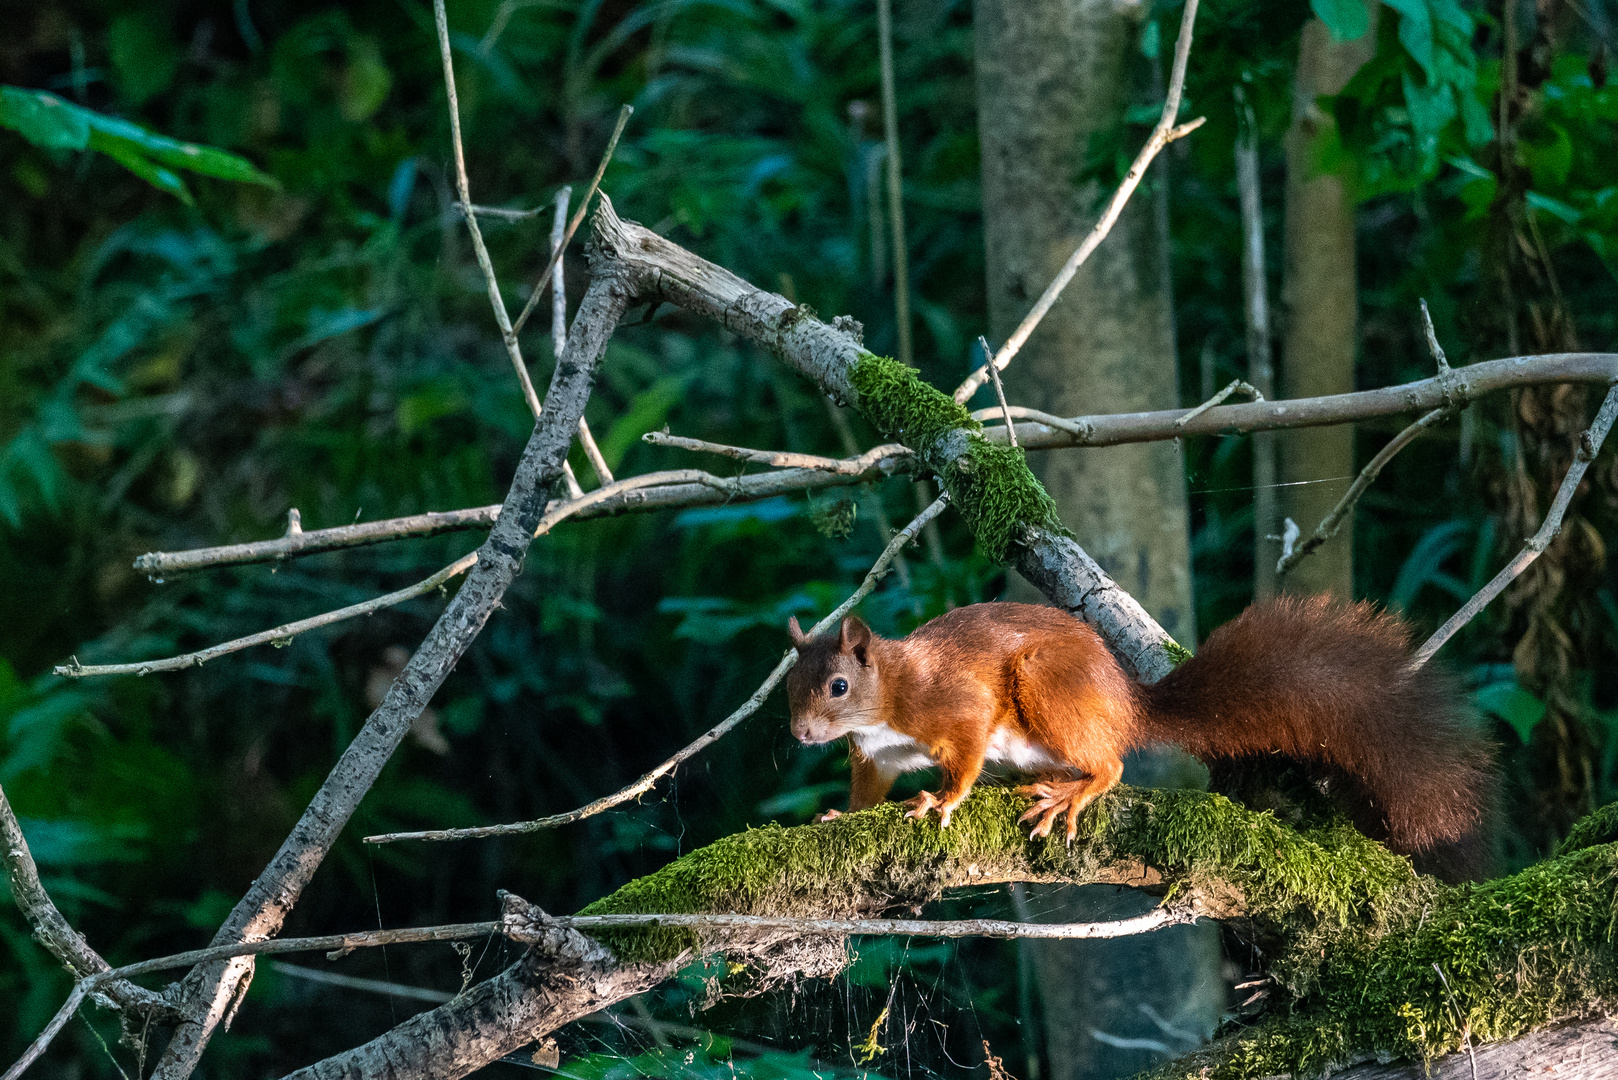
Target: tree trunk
{"type": "Point", "coordinates": [1320, 286]}
{"type": "Point", "coordinates": [1051, 73]}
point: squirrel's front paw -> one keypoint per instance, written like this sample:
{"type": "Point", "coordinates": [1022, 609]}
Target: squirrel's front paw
{"type": "Point", "coordinates": [830, 815]}
{"type": "Point", "coordinates": [925, 801]}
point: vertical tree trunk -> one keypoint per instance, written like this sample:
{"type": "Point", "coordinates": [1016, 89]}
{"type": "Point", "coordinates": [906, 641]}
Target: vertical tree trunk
{"type": "Point", "coordinates": [1051, 73]}
{"type": "Point", "coordinates": [1320, 292]}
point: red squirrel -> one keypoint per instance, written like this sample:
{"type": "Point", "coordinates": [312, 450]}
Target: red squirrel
{"type": "Point", "coordinates": [1318, 682]}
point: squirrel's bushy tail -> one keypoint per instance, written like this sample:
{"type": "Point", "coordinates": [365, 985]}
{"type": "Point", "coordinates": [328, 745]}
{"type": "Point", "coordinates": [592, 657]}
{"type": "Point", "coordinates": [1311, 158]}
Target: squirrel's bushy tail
{"type": "Point", "coordinates": [1331, 684]}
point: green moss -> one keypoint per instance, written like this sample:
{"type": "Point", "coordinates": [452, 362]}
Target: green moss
{"type": "Point", "coordinates": [1351, 934]}
{"type": "Point", "coordinates": [1177, 653]}
{"type": "Point", "coordinates": [1600, 827]}
{"type": "Point", "coordinates": [1515, 954]}
{"type": "Point", "coordinates": [990, 485]}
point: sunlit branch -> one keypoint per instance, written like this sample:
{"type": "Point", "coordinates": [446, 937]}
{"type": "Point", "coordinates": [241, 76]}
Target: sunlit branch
{"type": "Point", "coordinates": [1164, 133]}
{"type": "Point", "coordinates": [713, 735]}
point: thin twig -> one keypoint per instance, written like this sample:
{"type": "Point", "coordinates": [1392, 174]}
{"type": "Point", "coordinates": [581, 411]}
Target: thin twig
{"type": "Point", "coordinates": [1236, 385]}
{"type": "Point", "coordinates": [1023, 412]}
{"type": "Point", "coordinates": [1589, 446]}
{"type": "Point", "coordinates": [351, 982]}
{"type": "Point", "coordinates": [1465, 1025]}
{"type": "Point", "coordinates": [508, 334]}
{"type": "Point", "coordinates": [896, 209]}
{"type": "Point", "coordinates": [1164, 133]}
{"type": "Point", "coordinates": [849, 466]}
{"type": "Point", "coordinates": [999, 392]}
{"type": "Point", "coordinates": [1333, 521]}
{"type": "Point", "coordinates": [751, 705]}
{"type": "Point", "coordinates": [873, 501]}
{"type": "Point", "coordinates": [281, 635]}
{"type": "Point", "coordinates": [573, 226]}
{"type": "Point", "coordinates": [559, 332]}
{"type": "Point", "coordinates": [75, 998]}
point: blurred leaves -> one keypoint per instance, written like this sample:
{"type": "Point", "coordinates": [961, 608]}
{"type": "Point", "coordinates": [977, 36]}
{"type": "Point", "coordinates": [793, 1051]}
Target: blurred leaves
{"type": "Point", "coordinates": [49, 122]}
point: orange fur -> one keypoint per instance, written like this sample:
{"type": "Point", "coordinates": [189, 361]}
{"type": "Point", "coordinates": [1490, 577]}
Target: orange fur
{"type": "Point", "coordinates": [1318, 682]}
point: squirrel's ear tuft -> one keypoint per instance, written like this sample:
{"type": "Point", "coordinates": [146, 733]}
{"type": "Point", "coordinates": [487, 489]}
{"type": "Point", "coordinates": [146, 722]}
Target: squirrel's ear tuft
{"type": "Point", "coordinates": [799, 638]}
{"type": "Point", "coordinates": [855, 636]}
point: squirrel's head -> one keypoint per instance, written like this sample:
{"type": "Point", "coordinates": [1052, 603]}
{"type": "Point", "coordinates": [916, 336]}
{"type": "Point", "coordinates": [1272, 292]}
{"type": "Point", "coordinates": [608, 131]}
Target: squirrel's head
{"type": "Point", "coordinates": [833, 687]}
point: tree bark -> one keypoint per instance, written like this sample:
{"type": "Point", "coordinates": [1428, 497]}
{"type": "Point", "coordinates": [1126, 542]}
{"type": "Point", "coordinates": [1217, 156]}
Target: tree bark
{"type": "Point", "coordinates": [1319, 287]}
{"type": "Point", "coordinates": [1051, 74]}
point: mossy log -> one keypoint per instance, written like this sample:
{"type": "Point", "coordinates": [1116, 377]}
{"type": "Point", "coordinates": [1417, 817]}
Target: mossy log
{"type": "Point", "coordinates": [1369, 960]}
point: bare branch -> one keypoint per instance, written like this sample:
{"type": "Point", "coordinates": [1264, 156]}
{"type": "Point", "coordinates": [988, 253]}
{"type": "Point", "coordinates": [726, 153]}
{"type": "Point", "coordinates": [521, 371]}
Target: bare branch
{"type": "Point", "coordinates": [1432, 339]}
{"type": "Point", "coordinates": [559, 236]}
{"type": "Point", "coordinates": [1000, 393]}
{"type": "Point", "coordinates": [1236, 385]}
{"type": "Point", "coordinates": [1333, 521]}
{"type": "Point", "coordinates": [708, 738]}
{"type": "Point", "coordinates": [1455, 387]}
{"type": "Point", "coordinates": [508, 334]}
{"type": "Point", "coordinates": [672, 490]}
{"type": "Point", "coordinates": [1164, 133]}
{"type": "Point", "coordinates": [849, 466]}
{"type": "Point", "coordinates": [69, 1007]}
{"type": "Point", "coordinates": [280, 636]}
{"type": "Point", "coordinates": [1589, 446]}
{"type": "Point", "coordinates": [260, 913]}
{"type": "Point", "coordinates": [573, 226]}
{"type": "Point", "coordinates": [52, 930]}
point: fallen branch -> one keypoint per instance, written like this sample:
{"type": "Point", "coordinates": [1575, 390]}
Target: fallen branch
{"type": "Point", "coordinates": [1333, 521]}
{"type": "Point", "coordinates": [1589, 445]}
{"type": "Point", "coordinates": [708, 738]}
{"type": "Point", "coordinates": [1164, 133]}
{"type": "Point", "coordinates": [281, 635]}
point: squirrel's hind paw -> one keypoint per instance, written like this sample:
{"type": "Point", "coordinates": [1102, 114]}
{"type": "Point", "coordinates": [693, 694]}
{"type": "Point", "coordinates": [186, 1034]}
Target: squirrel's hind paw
{"type": "Point", "coordinates": [1052, 800]}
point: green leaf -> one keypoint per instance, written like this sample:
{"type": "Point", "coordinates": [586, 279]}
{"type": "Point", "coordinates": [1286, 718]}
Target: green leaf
{"type": "Point", "coordinates": [43, 119]}
{"type": "Point", "coordinates": [1512, 704]}
{"type": "Point", "coordinates": [192, 157]}
{"type": "Point", "coordinates": [1416, 33]}
{"type": "Point", "coordinates": [1348, 20]}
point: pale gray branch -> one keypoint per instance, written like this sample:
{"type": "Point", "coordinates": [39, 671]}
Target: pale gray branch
{"type": "Point", "coordinates": [1333, 521]}
{"type": "Point", "coordinates": [1589, 446]}
{"type": "Point", "coordinates": [281, 635]}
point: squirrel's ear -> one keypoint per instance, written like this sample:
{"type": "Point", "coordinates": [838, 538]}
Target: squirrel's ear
{"type": "Point", "coordinates": [799, 638]}
{"type": "Point", "coordinates": [855, 637]}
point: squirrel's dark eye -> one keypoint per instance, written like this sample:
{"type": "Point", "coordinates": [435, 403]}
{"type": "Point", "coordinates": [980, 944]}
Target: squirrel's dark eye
{"type": "Point", "coordinates": [839, 687]}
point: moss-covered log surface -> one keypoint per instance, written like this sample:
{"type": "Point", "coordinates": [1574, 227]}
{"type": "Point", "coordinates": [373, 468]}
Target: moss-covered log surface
{"type": "Point", "coordinates": [1369, 959]}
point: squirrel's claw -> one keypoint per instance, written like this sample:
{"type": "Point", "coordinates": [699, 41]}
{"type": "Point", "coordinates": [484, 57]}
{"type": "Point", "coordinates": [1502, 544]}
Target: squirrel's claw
{"type": "Point", "coordinates": [1052, 800]}
{"type": "Point", "coordinates": [925, 801]}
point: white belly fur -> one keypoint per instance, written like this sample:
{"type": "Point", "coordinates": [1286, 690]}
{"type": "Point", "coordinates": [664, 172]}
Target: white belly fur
{"type": "Point", "coordinates": [890, 750]}
{"type": "Point", "coordinates": [1011, 748]}
{"type": "Point", "coordinates": [893, 751]}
